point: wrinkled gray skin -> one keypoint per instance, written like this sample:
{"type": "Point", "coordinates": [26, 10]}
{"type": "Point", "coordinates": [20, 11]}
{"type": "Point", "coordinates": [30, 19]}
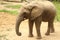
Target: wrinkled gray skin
{"type": "Point", "coordinates": [37, 12]}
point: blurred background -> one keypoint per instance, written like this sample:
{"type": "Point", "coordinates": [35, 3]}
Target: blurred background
{"type": "Point", "coordinates": [16, 4]}
{"type": "Point", "coordinates": [8, 13]}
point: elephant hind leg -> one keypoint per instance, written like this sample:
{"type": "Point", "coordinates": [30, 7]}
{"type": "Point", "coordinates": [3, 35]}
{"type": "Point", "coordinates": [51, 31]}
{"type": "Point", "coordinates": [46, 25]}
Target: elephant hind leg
{"type": "Point", "coordinates": [50, 28]}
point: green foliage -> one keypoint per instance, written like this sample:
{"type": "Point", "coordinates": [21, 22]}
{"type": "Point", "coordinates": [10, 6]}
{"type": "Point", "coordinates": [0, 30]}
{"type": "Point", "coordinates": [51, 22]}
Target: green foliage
{"type": "Point", "coordinates": [13, 6]}
{"type": "Point", "coordinates": [57, 4]}
{"type": "Point", "coordinates": [9, 11]}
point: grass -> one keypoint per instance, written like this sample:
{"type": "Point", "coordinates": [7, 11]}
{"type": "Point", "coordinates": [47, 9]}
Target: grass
{"type": "Point", "coordinates": [9, 11]}
{"type": "Point", "coordinates": [13, 6]}
{"type": "Point", "coordinates": [57, 4]}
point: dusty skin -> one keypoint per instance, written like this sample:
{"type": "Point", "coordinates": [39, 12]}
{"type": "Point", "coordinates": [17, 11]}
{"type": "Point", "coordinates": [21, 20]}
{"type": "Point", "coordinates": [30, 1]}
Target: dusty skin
{"type": "Point", "coordinates": [7, 29]}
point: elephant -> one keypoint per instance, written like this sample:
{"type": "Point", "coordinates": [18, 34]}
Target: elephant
{"type": "Point", "coordinates": [37, 12]}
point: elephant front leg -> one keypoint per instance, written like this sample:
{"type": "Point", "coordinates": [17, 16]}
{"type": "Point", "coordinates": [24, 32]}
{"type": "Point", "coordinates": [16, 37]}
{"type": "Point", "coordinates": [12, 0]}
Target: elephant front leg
{"type": "Point", "coordinates": [38, 24]}
{"type": "Point", "coordinates": [30, 28]}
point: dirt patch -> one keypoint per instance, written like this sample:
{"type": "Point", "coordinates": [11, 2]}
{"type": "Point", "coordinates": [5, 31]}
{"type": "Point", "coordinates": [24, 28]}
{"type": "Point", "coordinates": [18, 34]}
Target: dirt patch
{"type": "Point", "coordinates": [7, 29]}
{"type": "Point", "coordinates": [6, 22]}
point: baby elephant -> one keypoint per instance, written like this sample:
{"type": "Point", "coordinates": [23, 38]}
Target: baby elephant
{"type": "Point", "coordinates": [37, 12]}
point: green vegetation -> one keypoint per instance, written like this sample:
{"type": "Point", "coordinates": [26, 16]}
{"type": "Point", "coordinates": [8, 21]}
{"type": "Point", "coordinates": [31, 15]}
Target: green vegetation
{"type": "Point", "coordinates": [57, 4]}
{"type": "Point", "coordinates": [9, 11]}
{"type": "Point", "coordinates": [13, 6]}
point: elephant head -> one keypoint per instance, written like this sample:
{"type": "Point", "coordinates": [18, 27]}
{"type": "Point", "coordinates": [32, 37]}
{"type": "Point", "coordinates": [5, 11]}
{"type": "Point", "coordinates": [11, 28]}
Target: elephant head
{"type": "Point", "coordinates": [29, 11]}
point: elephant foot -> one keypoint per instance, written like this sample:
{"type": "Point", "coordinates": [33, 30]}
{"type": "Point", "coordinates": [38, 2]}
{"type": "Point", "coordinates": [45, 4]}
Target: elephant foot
{"type": "Point", "coordinates": [52, 31]}
{"type": "Point", "coordinates": [39, 37]}
{"type": "Point", "coordinates": [31, 35]}
{"type": "Point", "coordinates": [47, 34]}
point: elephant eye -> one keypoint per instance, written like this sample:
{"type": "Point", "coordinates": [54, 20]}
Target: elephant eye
{"type": "Point", "coordinates": [24, 13]}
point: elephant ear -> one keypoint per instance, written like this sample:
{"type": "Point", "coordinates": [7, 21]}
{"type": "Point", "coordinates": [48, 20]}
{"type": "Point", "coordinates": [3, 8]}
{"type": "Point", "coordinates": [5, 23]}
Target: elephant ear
{"type": "Point", "coordinates": [36, 12]}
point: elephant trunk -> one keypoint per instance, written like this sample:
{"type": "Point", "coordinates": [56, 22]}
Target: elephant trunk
{"type": "Point", "coordinates": [18, 22]}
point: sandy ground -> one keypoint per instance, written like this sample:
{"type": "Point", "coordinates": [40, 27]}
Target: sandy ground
{"type": "Point", "coordinates": [7, 29]}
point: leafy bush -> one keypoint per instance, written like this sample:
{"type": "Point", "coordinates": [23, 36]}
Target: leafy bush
{"type": "Point", "coordinates": [57, 4]}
